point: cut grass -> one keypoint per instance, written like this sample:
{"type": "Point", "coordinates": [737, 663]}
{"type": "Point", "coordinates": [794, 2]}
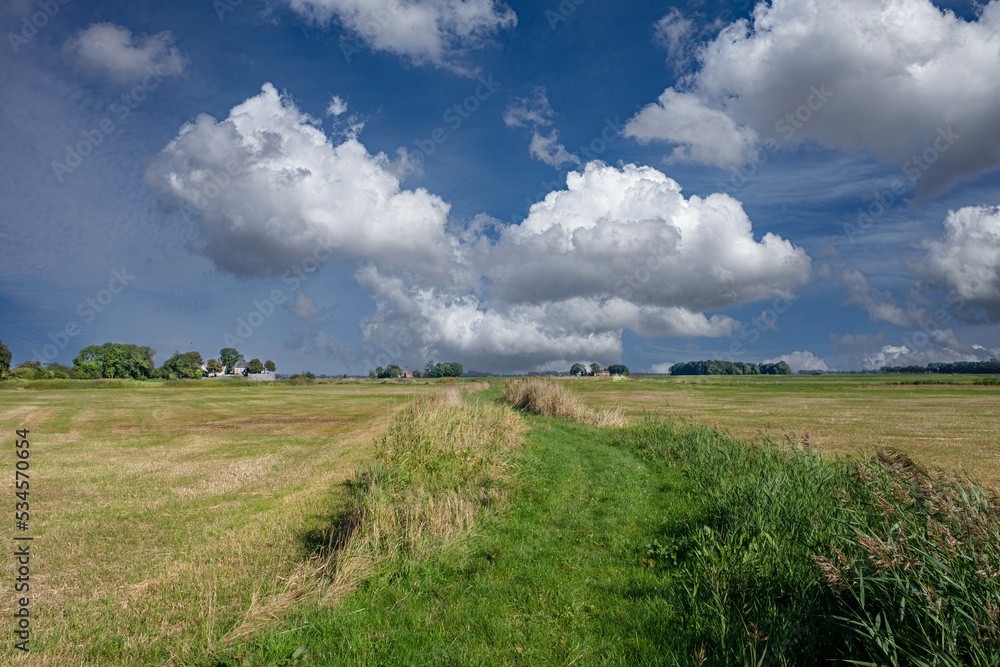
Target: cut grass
{"type": "Point", "coordinates": [165, 518]}
{"type": "Point", "coordinates": [953, 425]}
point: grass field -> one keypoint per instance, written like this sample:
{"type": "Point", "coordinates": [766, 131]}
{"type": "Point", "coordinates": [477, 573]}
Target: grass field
{"type": "Point", "coordinates": [953, 427]}
{"type": "Point", "coordinates": [177, 524]}
{"type": "Point", "coordinates": [168, 518]}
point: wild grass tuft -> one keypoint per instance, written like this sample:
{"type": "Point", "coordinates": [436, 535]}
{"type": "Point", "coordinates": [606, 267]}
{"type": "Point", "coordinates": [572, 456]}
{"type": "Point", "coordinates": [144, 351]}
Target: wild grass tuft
{"type": "Point", "coordinates": [442, 463]}
{"type": "Point", "coordinates": [550, 399]}
{"type": "Point", "coordinates": [794, 559]}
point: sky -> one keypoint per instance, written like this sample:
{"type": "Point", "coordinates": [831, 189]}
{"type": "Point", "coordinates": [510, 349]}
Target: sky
{"type": "Point", "coordinates": [517, 186]}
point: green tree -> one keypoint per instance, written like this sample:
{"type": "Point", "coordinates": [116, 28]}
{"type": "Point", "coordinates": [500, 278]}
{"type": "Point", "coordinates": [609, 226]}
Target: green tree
{"type": "Point", "coordinates": [4, 360]}
{"type": "Point", "coordinates": [269, 365]}
{"type": "Point", "coordinates": [449, 369]}
{"type": "Point", "coordinates": [116, 360]}
{"type": "Point", "coordinates": [595, 368]}
{"type": "Point", "coordinates": [255, 366]}
{"type": "Point", "coordinates": [230, 356]}
{"type": "Point", "coordinates": [27, 370]}
{"type": "Point", "coordinates": [187, 365]}
{"type": "Point", "coordinates": [372, 374]}
{"type": "Point", "coordinates": [618, 369]}
{"type": "Point", "coordinates": [213, 366]}
{"type": "Point", "coordinates": [578, 369]}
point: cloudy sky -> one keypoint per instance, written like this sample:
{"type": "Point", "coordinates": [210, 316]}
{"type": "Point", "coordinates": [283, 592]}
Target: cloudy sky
{"type": "Point", "coordinates": [339, 184]}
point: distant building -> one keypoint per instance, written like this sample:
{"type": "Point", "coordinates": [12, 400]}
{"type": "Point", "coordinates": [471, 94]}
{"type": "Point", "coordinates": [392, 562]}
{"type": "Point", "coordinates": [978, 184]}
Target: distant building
{"type": "Point", "coordinates": [605, 373]}
{"type": "Point", "coordinates": [240, 368]}
{"type": "Point", "coordinates": [406, 374]}
{"type": "Point", "coordinates": [205, 373]}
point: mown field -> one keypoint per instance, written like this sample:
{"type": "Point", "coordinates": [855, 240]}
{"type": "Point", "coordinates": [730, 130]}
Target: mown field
{"type": "Point", "coordinates": [168, 520]}
{"type": "Point", "coordinates": [339, 524]}
{"type": "Point", "coordinates": [945, 422]}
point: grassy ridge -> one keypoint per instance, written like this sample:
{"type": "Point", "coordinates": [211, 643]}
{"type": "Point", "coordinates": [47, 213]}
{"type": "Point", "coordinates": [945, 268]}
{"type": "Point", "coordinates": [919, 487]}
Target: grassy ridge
{"type": "Point", "coordinates": [442, 464]}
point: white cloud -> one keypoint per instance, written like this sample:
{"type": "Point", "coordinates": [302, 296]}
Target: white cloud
{"type": "Point", "coordinates": [940, 346]}
{"type": "Point", "coordinates": [424, 31]}
{"type": "Point", "coordinates": [800, 361]}
{"type": "Point", "coordinates": [674, 31]}
{"type": "Point", "coordinates": [535, 113]}
{"type": "Point", "coordinates": [882, 76]}
{"type": "Point", "coordinates": [271, 191]}
{"type": "Point", "coordinates": [879, 304]}
{"type": "Point", "coordinates": [619, 248]}
{"type": "Point", "coordinates": [660, 369]}
{"type": "Point", "coordinates": [630, 233]}
{"type": "Point", "coordinates": [112, 51]}
{"type": "Point", "coordinates": [548, 149]}
{"type": "Point", "coordinates": [336, 107]}
{"type": "Point", "coordinates": [703, 134]}
{"type": "Point", "coordinates": [966, 261]}
{"type": "Point", "coordinates": [529, 111]}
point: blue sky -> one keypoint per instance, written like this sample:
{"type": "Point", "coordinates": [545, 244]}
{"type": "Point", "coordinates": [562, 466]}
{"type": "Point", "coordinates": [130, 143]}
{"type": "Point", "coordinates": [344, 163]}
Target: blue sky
{"type": "Point", "coordinates": [514, 186]}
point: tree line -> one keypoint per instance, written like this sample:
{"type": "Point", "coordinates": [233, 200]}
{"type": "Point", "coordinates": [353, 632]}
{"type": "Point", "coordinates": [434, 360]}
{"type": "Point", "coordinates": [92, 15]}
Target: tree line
{"type": "Point", "coordinates": [717, 367]}
{"type": "Point", "coordinates": [964, 367]}
{"type": "Point", "coordinates": [595, 369]}
{"type": "Point", "coordinates": [128, 361]}
{"type": "Point", "coordinates": [431, 370]}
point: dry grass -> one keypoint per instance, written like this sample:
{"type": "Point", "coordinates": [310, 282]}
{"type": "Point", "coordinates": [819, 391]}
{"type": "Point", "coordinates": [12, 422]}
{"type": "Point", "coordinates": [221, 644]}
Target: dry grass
{"type": "Point", "coordinates": [550, 399]}
{"type": "Point", "coordinates": [168, 522]}
{"type": "Point", "coordinates": [955, 428]}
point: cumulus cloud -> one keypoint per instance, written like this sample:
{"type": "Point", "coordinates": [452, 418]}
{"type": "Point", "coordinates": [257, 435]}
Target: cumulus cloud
{"type": "Point", "coordinates": [423, 31]}
{"type": "Point", "coordinates": [660, 369]}
{"type": "Point", "coordinates": [630, 233]}
{"type": "Point", "coordinates": [702, 134]}
{"type": "Point", "coordinates": [110, 50]}
{"type": "Point", "coordinates": [272, 191]}
{"type": "Point", "coordinates": [939, 346]}
{"type": "Point", "coordinates": [889, 77]}
{"type": "Point", "coordinates": [536, 112]}
{"type": "Point", "coordinates": [619, 248]}
{"type": "Point", "coordinates": [965, 262]}
{"type": "Point", "coordinates": [800, 361]}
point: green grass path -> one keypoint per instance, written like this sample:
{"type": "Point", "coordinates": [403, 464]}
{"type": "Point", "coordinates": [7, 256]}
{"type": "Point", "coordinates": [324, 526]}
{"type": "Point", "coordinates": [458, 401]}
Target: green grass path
{"type": "Point", "coordinates": [558, 579]}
